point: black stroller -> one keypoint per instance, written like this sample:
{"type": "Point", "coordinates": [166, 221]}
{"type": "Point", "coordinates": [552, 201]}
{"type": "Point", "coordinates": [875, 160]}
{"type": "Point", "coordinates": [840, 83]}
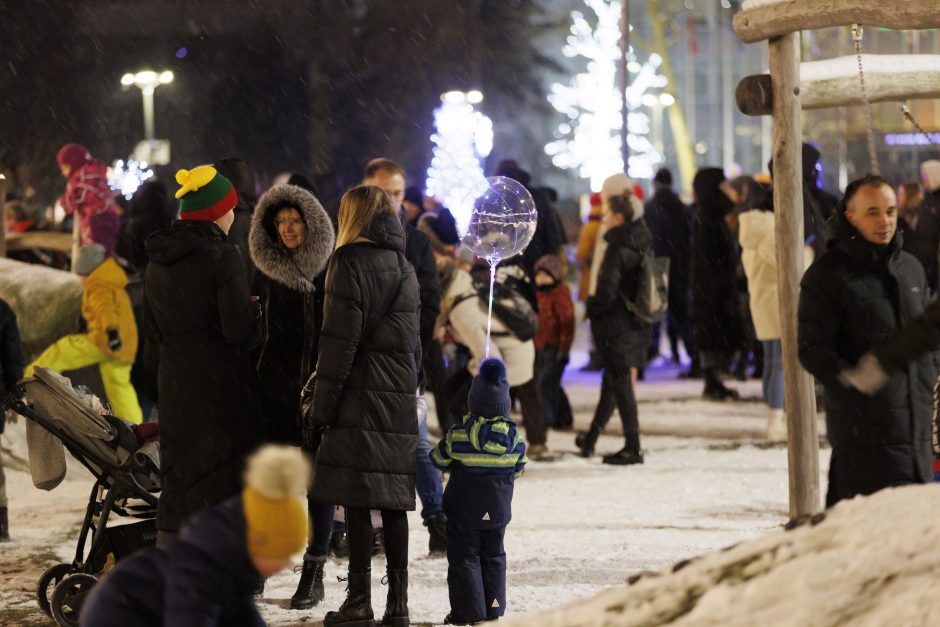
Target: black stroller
{"type": "Point", "coordinates": [127, 479]}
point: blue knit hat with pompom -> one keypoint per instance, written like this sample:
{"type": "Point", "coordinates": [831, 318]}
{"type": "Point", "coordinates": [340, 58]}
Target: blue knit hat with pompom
{"type": "Point", "coordinates": [489, 392]}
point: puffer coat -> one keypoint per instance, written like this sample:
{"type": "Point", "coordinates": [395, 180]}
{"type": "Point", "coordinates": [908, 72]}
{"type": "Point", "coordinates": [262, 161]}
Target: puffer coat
{"type": "Point", "coordinates": [363, 390]}
{"type": "Point", "coordinates": [855, 296]}
{"type": "Point", "coordinates": [287, 282]}
{"type": "Point", "coordinates": [197, 310]}
{"type": "Point", "coordinates": [618, 335]}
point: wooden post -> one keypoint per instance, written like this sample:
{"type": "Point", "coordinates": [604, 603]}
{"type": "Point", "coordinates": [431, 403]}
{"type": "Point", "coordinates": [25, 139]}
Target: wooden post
{"type": "Point", "coordinates": [3, 202]}
{"type": "Point", "coordinates": [76, 238]}
{"type": "Point", "coordinates": [803, 449]}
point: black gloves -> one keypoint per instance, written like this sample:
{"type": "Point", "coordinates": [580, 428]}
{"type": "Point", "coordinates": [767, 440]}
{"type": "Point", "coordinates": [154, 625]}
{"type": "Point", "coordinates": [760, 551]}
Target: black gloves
{"type": "Point", "coordinates": [114, 340]}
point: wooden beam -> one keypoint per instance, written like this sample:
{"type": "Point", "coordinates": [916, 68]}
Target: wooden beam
{"type": "Point", "coordinates": [803, 449]}
{"type": "Point", "coordinates": [762, 20]}
{"type": "Point", "coordinates": [834, 82]}
{"type": "Point", "coordinates": [48, 240]}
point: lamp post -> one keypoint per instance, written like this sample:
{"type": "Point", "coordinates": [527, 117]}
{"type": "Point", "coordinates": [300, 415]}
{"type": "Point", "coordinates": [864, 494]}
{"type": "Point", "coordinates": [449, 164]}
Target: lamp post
{"type": "Point", "coordinates": [657, 103]}
{"type": "Point", "coordinates": [147, 81]}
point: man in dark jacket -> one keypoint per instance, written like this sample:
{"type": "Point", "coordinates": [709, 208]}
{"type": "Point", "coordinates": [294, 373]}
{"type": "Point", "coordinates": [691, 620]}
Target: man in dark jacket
{"type": "Point", "coordinates": [389, 176]}
{"type": "Point", "coordinates": [197, 309]}
{"type": "Point", "coordinates": [11, 371]}
{"type": "Point", "coordinates": [670, 223]}
{"type": "Point", "coordinates": [859, 292]}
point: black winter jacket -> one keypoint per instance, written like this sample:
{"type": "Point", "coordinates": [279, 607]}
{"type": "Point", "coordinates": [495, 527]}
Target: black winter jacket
{"type": "Point", "coordinates": [197, 310]}
{"type": "Point", "coordinates": [670, 222]}
{"type": "Point", "coordinates": [717, 316]}
{"type": "Point", "coordinates": [419, 253]}
{"type": "Point", "coordinates": [852, 298]}
{"type": "Point", "coordinates": [11, 354]}
{"type": "Point", "coordinates": [204, 578]}
{"type": "Point", "coordinates": [622, 339]}
{"type": "Point", "coordinates": [367, 373]}
{"type": "Point", "coordinates": [289, 283]}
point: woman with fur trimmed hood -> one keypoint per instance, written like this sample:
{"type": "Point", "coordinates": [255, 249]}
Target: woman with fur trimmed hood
{"type": "Point", "coordinates": [290, 241]}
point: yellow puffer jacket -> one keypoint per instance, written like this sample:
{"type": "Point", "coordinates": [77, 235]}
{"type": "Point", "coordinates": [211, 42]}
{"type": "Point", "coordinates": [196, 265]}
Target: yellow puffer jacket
{"type": "Point", "coordinates": [106, 306]}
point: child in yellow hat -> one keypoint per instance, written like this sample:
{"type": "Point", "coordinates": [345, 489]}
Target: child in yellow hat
{"type": "Point", "coordinates": [208, 575]}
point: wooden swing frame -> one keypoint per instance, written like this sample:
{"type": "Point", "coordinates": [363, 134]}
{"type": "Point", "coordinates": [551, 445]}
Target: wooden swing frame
{"type": "Point", "coordinates": [782, 95]}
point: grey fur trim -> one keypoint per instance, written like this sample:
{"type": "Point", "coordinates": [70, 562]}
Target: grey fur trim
{"type": "Point", "coordinates": [296, 269]}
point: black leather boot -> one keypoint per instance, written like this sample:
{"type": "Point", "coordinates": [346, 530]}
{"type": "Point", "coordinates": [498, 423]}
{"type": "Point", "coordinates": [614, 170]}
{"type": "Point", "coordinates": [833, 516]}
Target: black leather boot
{"type": "Point", "coordinates": [585, 442]}
{"type": "Point", "coordinates": [396, 608]}
{"type": "Point", "coordinates": [356, 610]}
{"type": "Point", "coordinates": [310, 589]}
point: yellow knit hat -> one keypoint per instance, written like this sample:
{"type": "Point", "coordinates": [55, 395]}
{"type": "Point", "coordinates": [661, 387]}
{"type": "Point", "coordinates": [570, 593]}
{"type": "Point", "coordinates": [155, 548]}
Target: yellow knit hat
{"type": "Point", "coordinates": [275, 515]}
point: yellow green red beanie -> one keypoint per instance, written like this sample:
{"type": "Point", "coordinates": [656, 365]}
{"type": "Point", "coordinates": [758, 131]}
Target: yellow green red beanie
{"type": "Point", "coordinates": [205, 194]}
{"type": "Point", "coordinates": [275, 512]}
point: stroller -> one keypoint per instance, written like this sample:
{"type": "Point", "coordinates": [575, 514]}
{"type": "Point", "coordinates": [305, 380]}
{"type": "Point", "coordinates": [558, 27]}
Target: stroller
{"type": "Point", "coordinates": [125, 463]}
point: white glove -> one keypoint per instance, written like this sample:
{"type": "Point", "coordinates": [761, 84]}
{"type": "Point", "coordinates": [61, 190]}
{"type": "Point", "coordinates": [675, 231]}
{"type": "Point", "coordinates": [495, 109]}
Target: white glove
{"type": "Point", "coordinates": [867, 376]}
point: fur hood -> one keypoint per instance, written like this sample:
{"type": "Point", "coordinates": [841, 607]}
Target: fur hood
{"type": "Point", "coordinates": [296, 269]}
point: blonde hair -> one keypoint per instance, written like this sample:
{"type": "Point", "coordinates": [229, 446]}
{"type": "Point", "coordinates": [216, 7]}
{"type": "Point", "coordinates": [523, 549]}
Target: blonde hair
{"type": "Point", "coordinates": [358, 208]}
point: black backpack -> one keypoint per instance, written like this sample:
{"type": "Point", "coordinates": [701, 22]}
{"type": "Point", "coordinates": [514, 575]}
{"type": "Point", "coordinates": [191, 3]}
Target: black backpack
{"type": "Point", "coordinates": [652, 291]}
{"type": "Point", "coordinates": [511, 307]}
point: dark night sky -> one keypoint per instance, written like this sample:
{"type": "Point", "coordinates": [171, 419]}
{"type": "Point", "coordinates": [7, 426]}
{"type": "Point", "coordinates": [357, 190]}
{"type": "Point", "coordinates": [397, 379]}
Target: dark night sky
{"type": "Point", "coordinates": [285, 84]}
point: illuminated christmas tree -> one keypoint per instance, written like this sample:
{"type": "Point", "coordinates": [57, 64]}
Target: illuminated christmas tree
{"type": "Point", "coordinates": [589, 140]}
{"type": "Point", "coordinates": [462, 138]}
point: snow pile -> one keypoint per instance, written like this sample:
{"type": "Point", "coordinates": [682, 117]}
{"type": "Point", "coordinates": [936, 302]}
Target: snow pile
{"type": "Point", "coordinates": [847, 67]}
{"type": "Point", "coordinates": [869, 561]}
{"type": "Point", "coordinates": [758, 4]}
{"type": "Point", "coordinates": [47, 302]}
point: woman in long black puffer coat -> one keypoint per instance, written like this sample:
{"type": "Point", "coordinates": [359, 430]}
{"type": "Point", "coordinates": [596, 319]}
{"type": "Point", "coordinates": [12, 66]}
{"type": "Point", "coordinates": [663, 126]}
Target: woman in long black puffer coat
{"type": "Point", "coordinates": [716, 315]}
{"type": "Point", "coordinates": [361, 399]}
{"type": "Point", "coordinates": [290, 241]}
{"type": "Point", "coordinates": [620, 337]}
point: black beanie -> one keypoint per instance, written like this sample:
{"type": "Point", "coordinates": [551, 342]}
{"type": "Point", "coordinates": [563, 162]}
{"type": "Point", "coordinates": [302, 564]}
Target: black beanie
{"type": "Point", "coordinates": [489, 392]}
{"type": "Point", "coordinates": [663, 178]}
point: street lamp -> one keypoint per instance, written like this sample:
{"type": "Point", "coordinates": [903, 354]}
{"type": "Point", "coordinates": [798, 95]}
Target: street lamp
{"type": "Point", "coordinates": [657, 103]}
{"type": "Point", "coordinates": [147, 81]}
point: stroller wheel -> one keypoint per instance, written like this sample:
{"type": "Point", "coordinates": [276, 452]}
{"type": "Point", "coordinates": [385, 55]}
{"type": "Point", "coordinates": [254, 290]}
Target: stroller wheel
{"type": "Point", "coordinates": [68, 597]}
{"type": "Point", "coordinates": [47, 583]}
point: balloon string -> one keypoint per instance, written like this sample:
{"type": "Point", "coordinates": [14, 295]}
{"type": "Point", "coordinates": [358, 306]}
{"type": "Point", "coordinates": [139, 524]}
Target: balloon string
{"type": "Point", "coordinates": [489, 315]}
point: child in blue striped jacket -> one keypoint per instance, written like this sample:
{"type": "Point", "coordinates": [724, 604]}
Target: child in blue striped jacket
{"type": "Point", "coordinates": [484, 456]}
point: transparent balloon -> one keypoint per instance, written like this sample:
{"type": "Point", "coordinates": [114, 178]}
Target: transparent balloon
{"type": "Point", "coordinates": [502, 221]}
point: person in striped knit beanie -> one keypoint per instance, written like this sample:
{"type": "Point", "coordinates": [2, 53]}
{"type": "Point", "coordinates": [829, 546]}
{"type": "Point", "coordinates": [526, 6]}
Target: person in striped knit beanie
{"type": "Point", "coordinates": [484, 455]}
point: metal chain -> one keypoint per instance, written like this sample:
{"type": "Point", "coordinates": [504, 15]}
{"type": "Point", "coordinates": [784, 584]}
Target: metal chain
{"type": "Point", "coordinates": [857, 33]}
{"type": "Point", "coordinates": [932, 138]}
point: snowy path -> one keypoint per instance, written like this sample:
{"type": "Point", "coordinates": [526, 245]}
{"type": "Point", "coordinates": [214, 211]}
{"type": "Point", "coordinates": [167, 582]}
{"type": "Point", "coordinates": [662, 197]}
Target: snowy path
{"type": "Point", "coordinates": [578, 526]}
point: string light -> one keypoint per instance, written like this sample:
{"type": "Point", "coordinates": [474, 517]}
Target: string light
{"type": "Point", "coordinates": [127, 177]}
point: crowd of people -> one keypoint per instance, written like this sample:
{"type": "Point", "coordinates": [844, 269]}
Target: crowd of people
{"type": "Point", "coordinates": [238, 319]}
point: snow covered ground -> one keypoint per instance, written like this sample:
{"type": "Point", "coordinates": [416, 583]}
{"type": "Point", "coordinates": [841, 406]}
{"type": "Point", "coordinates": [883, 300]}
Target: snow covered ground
{"type": "Point", "coordinates": [579, 526]}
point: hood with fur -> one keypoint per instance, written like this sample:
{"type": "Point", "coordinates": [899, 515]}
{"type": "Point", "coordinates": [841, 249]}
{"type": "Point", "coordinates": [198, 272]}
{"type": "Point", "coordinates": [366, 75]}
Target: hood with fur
{"type": "Point", "coordinates": [294, 268]}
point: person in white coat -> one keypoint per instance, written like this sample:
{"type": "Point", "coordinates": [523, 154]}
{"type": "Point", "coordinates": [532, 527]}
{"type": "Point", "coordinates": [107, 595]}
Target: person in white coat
{"type": "Point", "coordinates": [464, 314]}
{"type": "Point", "coordinates": [759, 257]}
